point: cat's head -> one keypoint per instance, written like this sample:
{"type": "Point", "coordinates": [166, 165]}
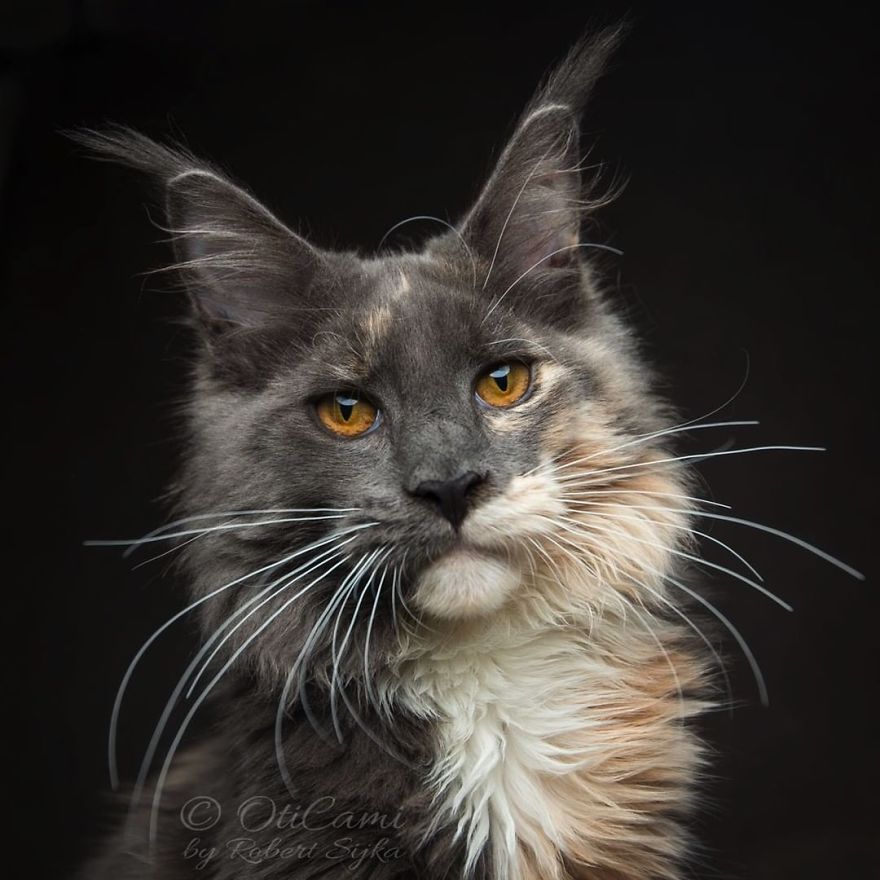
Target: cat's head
{"type": "Point", "coordinates": [435, 426]}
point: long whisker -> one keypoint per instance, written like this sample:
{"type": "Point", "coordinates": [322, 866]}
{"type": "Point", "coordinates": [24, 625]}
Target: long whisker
{"type": "Point", "coordinates": [642, 438]}
{"type": "Point", "coordinates": [800, 542]}
{"type": "Point", "coordinates": [702, 636]}
{"type": "Point", "coordinates": [588, 505]}
{"type": "Point", "coordinates": [677, 458]}
{"type": "Point", "coordinates": [743, 644]}
{"type": "Point", "coordinates": [727, 402]}
{"type": "Point", "coordinates": [747, 652]}
{"type": "Point", "coordinates": [770, 530]}
{"type": "Point", "coordinates": [686, 619]}
{"type": "Point", "coordinates": [554, 569]}
{"type": "Point", "coordinates": [759, 678]}
{"type": "Point", "coordinates": [338, 600]}
{"type": "Point", "coordinates": [691, 424]}
{"type": "Point", "coordinates": [695, 559]}
{"type": "Point", "coordinates": [334, 659]}
{"type": "Point", "coordinates": [445, 223]}
{"type": "Point", "coordinates": [138, 542]}
{"type": "Point", "coordinates": [367, 676]}
{"type": "Point", "coordinates": [300, 664]}
{"type": "Point", "coordinates": [665, 653]}
{"type": "Point", "coordinates": [269, 511]}
{"type": "Point", "coordinates": [166, 766]}
{"type": "Point", "coordinates": [259, 601]}
{"type": "Point", "coordinates": [298, 573]}
{"type": "Point", "coordinates": [393, 591]}
{"type": "Point", "coordinates": [176, 548]}
{"type": "Point", "coordinates": [337, 657]}
{"type": "Point", "coordinates": [603, 247]}
{"type": "Point", "coordinates": [337, 605]}
{"type": "Point", "coordinates": [570, 554]}
{"type": "Point", "coordinates": [126, 678]}
{"type": "Point", "coordinates": [596, 492]}
{"type": "Point", "coordinates": [393, 753]}
{"type": "Point", "coordinates": [417, 618]}
{"type": "Point", "coordinates": [617, 574]}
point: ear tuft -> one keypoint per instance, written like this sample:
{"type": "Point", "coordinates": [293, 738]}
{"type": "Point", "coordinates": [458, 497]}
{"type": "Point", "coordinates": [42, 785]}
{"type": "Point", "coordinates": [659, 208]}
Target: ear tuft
{"type": "Point", "coordinates": [527, 218]}
{"type": "Point", "coordinates": [570, 84]}
{"type": "Point", "coordinates": [239, 262]}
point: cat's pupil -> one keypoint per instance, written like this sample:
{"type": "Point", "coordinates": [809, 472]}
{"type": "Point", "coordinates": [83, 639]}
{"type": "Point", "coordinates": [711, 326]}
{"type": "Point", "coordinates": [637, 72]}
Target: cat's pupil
{"type": "Point", "coordinates": [500, 375]}
{"type": "Point", "coordinates": [346, 405]}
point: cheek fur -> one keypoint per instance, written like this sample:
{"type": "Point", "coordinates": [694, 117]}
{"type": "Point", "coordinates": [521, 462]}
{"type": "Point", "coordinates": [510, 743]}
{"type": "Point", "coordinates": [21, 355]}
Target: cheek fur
{"type": "Point", "coordinates": [527, 508]}
{"type": "Point", "coordinates": [624, 520]}
{"type": "Point", "coordinates": [597, 523]}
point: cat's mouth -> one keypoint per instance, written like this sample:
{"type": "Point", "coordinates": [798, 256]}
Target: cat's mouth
{"type": "Point", "coordinates": [473, 571]}
{"type": "Point", "coordinates": [466, 581]}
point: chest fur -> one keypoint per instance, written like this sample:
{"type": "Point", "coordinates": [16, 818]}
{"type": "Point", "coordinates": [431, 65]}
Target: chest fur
{"type": "Point", "coordinates": [550, 749]}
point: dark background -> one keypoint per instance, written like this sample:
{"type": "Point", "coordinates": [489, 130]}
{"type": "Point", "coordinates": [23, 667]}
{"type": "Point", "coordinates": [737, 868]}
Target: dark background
{"type": "Point", "coordinates": [749, 225]}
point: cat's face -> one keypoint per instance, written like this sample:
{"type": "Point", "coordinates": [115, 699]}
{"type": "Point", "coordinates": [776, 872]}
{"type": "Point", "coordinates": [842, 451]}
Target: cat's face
{"type": "Point", "coordinates": [459, 434]}
{"type": "Point", "coordinates": [431, 424]}
{"type": "Point", "coordinates": [449, 407]}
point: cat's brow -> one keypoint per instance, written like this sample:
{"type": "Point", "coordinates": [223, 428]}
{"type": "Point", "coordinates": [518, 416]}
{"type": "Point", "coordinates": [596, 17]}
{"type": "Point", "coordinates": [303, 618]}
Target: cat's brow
{"type": "Point", "coordinates": [344, 374]}
{"type": "Point", "coordinates": [514, 346]}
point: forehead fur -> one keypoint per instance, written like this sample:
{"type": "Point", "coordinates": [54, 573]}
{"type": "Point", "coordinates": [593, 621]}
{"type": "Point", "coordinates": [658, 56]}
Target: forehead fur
{"type": "Point", "coordinates": [423, 311]}
{"type": "Point", "coordinates": [399, 312]}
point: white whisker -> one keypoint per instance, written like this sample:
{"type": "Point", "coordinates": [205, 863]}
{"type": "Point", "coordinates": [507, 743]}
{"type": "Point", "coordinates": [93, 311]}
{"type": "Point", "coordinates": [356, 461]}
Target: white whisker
{"type": "Point", "coordinates": [168, 552]}
{"type": "Point", "coordinates": [417, 618]}
{"type": "Point", "coordinates": [299, 666]}
{"type": "Point", "coordinates": [445, 223]}
{"type": "Point", "coordinates": [298, 573]}
{"type": "Point", "coordinates": [394, 589]}
{"type": "Point", "coordinates": [269, 511]}
{"type": "Point", "coordinates": [603, 247]}
{"type": "Point", "coordinates": [120, 693]}
{"type": "Point", "coordinates": [166, 766]}
{"type": "Point", "coordinates": [258, 602]}
{"type": "Point", "coordinates": [695, 559]}
{"type": "Point", "coordinates": [677, 458]}
{"type": "Point", "coordinates": [337, 657]}
{"type": "Point", "coordinates": [800, 542]}
{"type": "Point", "coordinates": [665, 653]}
{"type": "Point", "coordinates": [641, 438]}
{"type": "Point", "coordinates": [703, 637]}
{"type": "Point", "coordinates": [678, 495]}
{"type": "Point", "coordinates": [367, 676]}
{"type": "Point", "coordinates": [770, 530]}
{"type": "Point", "coordinates": [743, 644]}
{"type": "Point", "coordinates": [587, 505]}
{"type": "Point", "coordinates": [221, 528]}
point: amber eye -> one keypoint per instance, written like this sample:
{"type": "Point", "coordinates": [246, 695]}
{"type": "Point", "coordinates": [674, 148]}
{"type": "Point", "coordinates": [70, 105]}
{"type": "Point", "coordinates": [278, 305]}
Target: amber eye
{"type": "Point", "coordinates": [504, 384]}
{"type": "Point", "coordinates": [346, 414]}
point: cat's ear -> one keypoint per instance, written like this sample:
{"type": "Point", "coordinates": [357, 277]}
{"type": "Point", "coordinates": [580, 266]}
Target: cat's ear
{"type": "Point", "coordinates": [240, 264]}
{"type": "Point", "coordinates": [527, 218]}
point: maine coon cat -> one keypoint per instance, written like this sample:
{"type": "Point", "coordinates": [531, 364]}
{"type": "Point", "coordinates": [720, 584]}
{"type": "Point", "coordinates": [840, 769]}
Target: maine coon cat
{"type": "Point", "coordinates": [437, 540]}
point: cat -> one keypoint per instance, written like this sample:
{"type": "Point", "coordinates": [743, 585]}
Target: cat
{"type": "Point", "coordinates": [437, 539]}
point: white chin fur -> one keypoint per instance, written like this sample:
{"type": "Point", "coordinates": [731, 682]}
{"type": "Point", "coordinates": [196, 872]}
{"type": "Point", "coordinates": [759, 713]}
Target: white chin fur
{"type": "Point", "coordinates": [465, 584]}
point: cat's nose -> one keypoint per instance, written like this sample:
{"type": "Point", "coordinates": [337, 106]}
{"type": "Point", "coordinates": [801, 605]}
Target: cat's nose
{"type": "Point", "coordinates": [450, 496]}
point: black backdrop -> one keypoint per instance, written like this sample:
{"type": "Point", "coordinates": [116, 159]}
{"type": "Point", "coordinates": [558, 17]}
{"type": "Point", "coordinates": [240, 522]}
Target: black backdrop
{"type": "Point", "coordinates": [748, 227]}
